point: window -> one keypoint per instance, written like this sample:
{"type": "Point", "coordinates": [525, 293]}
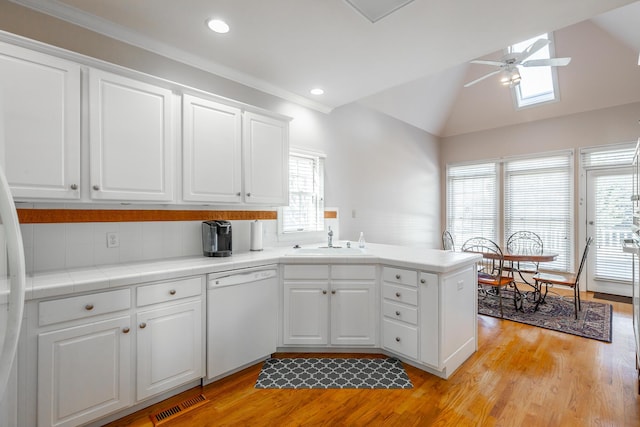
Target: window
{"type": "Point", "coordinates": [472, 201]}
{"type": "Point", "coordinates": [537, 84]}
{"type": "Point", "coordinates": [537, 193]}
{"type": "Point", "coordinates": [305, 212]}
{"type": "Point", "coordinates": [538, 197]}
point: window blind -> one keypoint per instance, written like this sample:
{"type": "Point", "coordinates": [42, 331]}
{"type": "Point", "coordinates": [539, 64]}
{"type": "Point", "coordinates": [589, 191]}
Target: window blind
{"type": "Point", "coordinates": [306, 194]}
{"type": "Point", "coordinates": [538, 197]}
{"type": "Point", "coordinates": [472, 201]}
{"type": "Point", "coordinates": [608, 156]}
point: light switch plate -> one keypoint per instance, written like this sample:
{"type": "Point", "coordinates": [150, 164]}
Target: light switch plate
{"type": "Point", "coordinates": [113, 240]}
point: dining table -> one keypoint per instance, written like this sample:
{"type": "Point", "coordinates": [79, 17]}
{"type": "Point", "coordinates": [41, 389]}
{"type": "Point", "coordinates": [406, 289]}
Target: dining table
{"type": "Point", "coordinates": [513, 259]}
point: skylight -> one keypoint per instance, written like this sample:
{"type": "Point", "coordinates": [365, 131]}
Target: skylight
{"type": "Point", "coordinates": [538, 84]}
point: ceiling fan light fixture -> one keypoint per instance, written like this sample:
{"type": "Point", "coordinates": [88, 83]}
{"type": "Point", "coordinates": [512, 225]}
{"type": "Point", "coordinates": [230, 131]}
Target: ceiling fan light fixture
{"type": "Point", "coordinates": [511, 78]}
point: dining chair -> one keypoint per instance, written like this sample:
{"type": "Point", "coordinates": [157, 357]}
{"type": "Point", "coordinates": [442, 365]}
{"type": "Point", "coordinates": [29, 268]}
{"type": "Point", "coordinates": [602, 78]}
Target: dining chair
{"type": "Point", "coordinates": [491, 267]}
{"type": "Point", "coordinates": [572, 281]}
{"type": "Point", "coordinates": [524, 242]}
{"type": "Point", "coordinates": [447, 241]}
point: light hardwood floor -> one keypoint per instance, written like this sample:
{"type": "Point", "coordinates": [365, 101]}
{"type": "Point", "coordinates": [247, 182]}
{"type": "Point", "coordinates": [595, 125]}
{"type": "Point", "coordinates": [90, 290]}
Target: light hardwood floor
{"type": "Point", "coordinates": [520, 376]}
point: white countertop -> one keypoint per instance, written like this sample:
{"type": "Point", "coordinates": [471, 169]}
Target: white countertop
{"type": "Point", "coordinates": [64, 282]}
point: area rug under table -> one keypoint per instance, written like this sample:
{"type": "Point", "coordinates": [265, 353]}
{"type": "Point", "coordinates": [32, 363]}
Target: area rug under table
{"type": "Point", "coordinates": [556, 313]}
{"type": "Point", "coordinates": [306, 373]}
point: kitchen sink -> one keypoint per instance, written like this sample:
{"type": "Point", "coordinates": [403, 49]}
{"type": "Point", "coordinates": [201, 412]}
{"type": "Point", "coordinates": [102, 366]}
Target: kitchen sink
{"type": "Point", "coordinates": [328, 251]}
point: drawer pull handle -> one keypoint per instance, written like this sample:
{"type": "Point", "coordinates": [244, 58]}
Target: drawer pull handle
{"type": "Point", "coordinates": [398, 276]}
{"type": "Point", "coordinates": [126, 330]}
{"type": "Point", "coordinates": [422, 281]}
{"type": "Point", "coordinates": [88, 307]}
{"type": "Point", "coordinates": [397, 313]}
{"type": "Point", "coordinates": [172, 292]}
{"type": "Point", "coordinates": [143, 325]}
{"type": "Point", "coordinates": [324, 292]}
{"type": "Point", "coordinates": [397, 339]}
{"type": "Point", "coordinates": [398, 294]}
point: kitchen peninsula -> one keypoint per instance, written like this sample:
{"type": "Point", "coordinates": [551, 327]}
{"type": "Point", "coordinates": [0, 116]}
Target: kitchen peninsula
{"type": "Point", "coordinates": [100, 342]}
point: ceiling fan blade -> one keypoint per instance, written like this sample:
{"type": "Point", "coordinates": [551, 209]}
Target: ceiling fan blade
{"type": "Point", "coordinates": [533, 48]}
{"type": "Point", "coordinates": [482, 78]}
{"type": "Point", "coordinates": [552, 62]}
{"type": "Point", "coordinates": [487, 62]}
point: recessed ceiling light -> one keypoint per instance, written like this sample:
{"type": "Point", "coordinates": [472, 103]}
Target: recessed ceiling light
{"type": "Point", "coordinates": [316, 91]}
{"type": "Point", "coordinates": [218, 25]}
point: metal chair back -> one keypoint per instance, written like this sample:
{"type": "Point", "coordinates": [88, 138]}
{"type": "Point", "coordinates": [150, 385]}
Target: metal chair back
{"type": "Point", "coordinates": [447, 241]}
{"type": "Point", "coordinates": [526, 243]}
{"type": "Point", "coordinates": [491, 265]}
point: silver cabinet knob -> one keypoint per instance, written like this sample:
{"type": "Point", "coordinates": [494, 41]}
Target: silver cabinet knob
{"type": "Point", "coordinates": [398, 294]}
{"type": "Point", "coordinates": [88, 307]}
{"type": "Point", "coordinates": [74, 186]}
{"type": "Point", "coordinates": [397, 313]}
{"type": "Point", "coordinates": [172, 292]}
{"type": "Point", "coordinates": [324, 292]}
{"type": "Point", "coordinates": [397, 339]}
{"type": "Point", "coordinates": [238, 193]}
{"type": "Point", "coordinates": [96, 187]}
{"type": "Point", "coordinates": [398, 276]}
{"type": "Point", "coordinates": [125, 330]}
{"type": "Point", "coordinates": [143, 325]}
{"type": "Point", "coordinates": [422, 281]}
{"type": "Point", "coordinates": [333, 292]}
{"type": "Point", "coordinates": [248, 194]}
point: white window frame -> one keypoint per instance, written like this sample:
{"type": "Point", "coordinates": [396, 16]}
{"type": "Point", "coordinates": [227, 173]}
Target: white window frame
{"type": "Point", "coordinates": [500, 227]}
{"type": "Point", "coordinates": [523, 103]}
{"type": "Point", "coordinates": [302, 234]}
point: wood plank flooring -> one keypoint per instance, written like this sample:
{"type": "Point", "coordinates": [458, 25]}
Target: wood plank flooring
{"type": "Point", "coordinates": [520, 376]}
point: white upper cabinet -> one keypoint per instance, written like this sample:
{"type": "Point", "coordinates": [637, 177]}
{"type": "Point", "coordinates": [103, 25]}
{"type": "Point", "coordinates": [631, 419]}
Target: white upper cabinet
{"type": "Point", "coordinates": [266, 160]}
{"type": "Point", "coordinates": [131, 139]}
{"type": "Point", "coordinates": [39, 124]}
{"type": "Point", "coordinates": [211, 151]}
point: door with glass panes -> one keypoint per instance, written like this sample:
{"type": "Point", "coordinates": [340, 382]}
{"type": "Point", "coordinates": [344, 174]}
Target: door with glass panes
{"type": "Point", "coordinates": [609, 222]}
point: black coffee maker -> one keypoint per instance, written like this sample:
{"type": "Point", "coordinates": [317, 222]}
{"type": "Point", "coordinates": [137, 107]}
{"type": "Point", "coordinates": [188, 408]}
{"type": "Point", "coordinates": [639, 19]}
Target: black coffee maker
{"type": "Point", "coordinates": [216, 238]}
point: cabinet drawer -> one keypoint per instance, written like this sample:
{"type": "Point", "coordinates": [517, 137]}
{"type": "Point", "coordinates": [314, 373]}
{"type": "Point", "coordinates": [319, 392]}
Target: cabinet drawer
{"type": "Point", "coordinates": [399, 275]}
{"type": "Point", "coordinates": [311, 272]}
{"type": "Point", "coordinates": [400, 312]}
{"type": "Point", "coordinates": [169, 291]}
{"type": "Point", "coordinates": [353, 272]}
{"type": "Point", "coordinates": [65, 309]}
{"type": "Point", "coordinates": [400, 294]}
{"type": "Point", "coordinates": [400, 338]}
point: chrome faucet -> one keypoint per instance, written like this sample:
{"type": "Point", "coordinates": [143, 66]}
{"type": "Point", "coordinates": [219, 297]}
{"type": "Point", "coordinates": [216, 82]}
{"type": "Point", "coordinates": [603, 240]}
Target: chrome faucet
{"type": "Point", "coordinates": [330, 234]}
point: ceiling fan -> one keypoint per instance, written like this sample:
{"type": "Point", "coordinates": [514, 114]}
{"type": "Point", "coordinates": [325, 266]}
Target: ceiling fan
{"type": "Point", "coordinates": [509, 63]}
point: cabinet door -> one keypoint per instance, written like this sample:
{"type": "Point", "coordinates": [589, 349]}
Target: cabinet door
{"type": "Point", "coordinates": [306, 313]}
{"type": "Point", "coordinates": [430, 319]}
{"type": "Point", "coordinates": [212, 151]}
{"type": "Point", "coordinates": [353, 314]}
{"type": "Point", "coordinates": [170, 347]}
{"type": "Point", "coordinates": [40, 123]}
{"type": "Point", "coordinates": [266, 160]}
{"type": "Point", "coordinates": [131, 139]}
{"type": "Point", "coordinates": [83, 372]}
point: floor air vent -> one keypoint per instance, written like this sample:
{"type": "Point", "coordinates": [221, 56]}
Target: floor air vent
{"type": "Point", "coordinates": [177, 410]}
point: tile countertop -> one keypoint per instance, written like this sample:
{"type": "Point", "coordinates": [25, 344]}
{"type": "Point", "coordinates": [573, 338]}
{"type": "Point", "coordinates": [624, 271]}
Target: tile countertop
{"type": "Point", "coordinates": [64, 282]}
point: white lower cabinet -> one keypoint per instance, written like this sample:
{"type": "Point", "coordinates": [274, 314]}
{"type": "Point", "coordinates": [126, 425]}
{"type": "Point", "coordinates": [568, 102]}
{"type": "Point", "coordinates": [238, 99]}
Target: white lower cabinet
{"type": "Point", "coordinates": [170, 335]}
{"type": "Point", "coordinates": [400, 311]}
{"type": "Point", "coordinates": [84, 366]}
{"type": "Point", "coordinates": [92, 360]}
{"type": "Point", "coordinates": [330, 304]}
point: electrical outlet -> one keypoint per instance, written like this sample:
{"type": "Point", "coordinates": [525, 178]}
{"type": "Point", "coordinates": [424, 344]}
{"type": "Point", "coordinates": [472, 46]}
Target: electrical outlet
{"type": "Point", "coordinates": [113, 240]}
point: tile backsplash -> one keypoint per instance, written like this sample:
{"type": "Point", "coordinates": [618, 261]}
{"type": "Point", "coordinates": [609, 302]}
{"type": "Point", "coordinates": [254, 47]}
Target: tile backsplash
{"type": "Point", "coordinates": [75, 245]}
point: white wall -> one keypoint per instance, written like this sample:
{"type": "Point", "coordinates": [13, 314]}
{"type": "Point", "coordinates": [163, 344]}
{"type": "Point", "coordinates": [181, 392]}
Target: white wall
{"type": "Point", "coordinates": [384, 170]}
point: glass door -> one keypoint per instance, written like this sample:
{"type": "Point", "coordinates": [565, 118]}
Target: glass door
{"type": "Point", "coordinates": [609, 216]}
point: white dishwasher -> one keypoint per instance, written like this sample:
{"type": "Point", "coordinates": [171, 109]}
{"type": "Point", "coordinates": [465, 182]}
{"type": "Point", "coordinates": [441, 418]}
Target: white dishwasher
{"type": "Point", "coordinates": [242, 315]}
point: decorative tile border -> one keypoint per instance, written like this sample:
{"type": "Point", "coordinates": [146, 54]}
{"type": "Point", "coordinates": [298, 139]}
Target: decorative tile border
{"type": "Point", "coordinates": [52, 216]}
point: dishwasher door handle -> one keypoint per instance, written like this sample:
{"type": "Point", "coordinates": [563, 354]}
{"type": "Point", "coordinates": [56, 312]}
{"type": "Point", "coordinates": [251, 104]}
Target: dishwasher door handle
{"type": "Point", "coordinates": [240, 278]}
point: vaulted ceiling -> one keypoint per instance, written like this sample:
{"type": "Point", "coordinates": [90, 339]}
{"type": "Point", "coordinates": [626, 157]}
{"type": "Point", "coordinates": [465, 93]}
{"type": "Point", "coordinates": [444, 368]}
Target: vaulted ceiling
{"type": "Point", "coordinates": [410, 65]}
